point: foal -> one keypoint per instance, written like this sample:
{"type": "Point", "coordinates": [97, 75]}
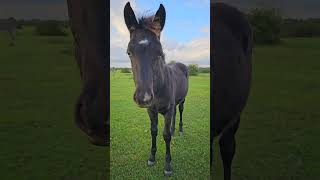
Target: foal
{"type": "Point", "coordinates": [160, 87]}
{"type": "Point", "coordinates": [231, 47]}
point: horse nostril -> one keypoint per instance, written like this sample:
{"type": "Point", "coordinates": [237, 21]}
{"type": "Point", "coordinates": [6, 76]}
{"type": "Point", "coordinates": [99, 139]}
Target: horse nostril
{"type": "Point", "coordinates": [147, 97]}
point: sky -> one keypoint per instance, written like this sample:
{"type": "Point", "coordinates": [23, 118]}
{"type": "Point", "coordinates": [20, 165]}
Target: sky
{"type": "Point", "coordinates": [34, 9]}
{"type": "Point", "coordinates": [57, 9]}
{"type": "Point", "coordinates": [288, 8]}
{"type": "Point", "coordinates": [186, 34]}
{"type": "Point", "coordinates": [185, 37]}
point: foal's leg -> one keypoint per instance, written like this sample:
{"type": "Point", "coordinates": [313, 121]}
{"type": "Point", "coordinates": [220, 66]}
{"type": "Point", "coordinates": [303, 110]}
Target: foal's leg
{"type": "Point", "coordinates": [181, 107]}
{"type": "Point", "coordinates": [173, 123]}
{"type": "Point", "coordinates": [167, 138]}
{"type": "Point", "coordinates": [154, 132]}
{"type": "Point", "coordinates": [227, 144]}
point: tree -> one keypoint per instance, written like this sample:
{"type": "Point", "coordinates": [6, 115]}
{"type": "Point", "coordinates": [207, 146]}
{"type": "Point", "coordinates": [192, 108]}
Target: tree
{"type": "Point", "coordinates": [50, 28]}
{"type": "Point", "coordinates": [125, 70]}
{"type": "Point", "coordinates": [266, 25]}
{"type": "Point", "coordinates": [193, 69]}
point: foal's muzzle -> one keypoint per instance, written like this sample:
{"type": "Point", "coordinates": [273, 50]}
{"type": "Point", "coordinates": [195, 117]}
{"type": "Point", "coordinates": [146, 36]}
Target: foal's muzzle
{"type": "Point", "coordinates": [143, 98]}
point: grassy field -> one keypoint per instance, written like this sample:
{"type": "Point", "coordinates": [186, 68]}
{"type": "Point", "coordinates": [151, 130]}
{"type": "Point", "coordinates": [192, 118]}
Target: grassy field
{"type": "Point", "coordinates": [278, 136]}
{"type": "Point", "coordinates": [279, 132]}
{"type": "Point", "coordinates": [40, 82]}
{"type": "Point", "coordinates": [131, 139]}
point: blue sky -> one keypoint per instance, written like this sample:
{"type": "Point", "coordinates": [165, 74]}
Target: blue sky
{"type": "Point", "coordinates": [183, 17]}
{"type": "Point", "coordinates": [185, 37]}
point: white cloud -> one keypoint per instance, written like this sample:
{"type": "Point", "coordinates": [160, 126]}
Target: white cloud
{"type": "Point", "coordinates": [196, 50]}
{"type": "Point", "coordinates": [191, 52]}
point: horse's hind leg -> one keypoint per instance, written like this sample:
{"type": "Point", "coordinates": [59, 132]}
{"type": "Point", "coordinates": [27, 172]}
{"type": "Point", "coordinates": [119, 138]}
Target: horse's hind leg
{"type": "Point", "coordinates": [227, 144]}
{"type": "Point", "coordinates": [181, 107]}
{"type": "Point", "coordinates": [173, 123]}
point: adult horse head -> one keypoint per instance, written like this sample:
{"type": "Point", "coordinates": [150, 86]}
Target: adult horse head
{"type": "Point", "coordinates": [231, 51]}
{"type": "Point", "coordinates": [160, 87]}
{"type": "Point", "coordinates": [89, 26]}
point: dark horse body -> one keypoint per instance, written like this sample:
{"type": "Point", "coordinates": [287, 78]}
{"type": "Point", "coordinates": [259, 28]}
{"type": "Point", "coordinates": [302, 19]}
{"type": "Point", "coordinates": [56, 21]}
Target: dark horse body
{"type": "Point", "coordinates": [89, 25]}
{"type": "Point", "coordinates": [160, 87]}
{"type": "Point", "coordinates": [231, 51]}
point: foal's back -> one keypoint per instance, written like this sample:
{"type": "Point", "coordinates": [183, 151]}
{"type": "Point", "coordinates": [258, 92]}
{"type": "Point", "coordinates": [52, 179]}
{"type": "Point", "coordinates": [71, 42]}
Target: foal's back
{"type": "Point", "coordinates": [179, 72]}
{"type": "Point", "coordinates": [231, 60]}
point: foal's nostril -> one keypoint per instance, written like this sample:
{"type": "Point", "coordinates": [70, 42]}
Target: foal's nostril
{"type": "Point", "coordinates": [147, 97]}
{"type": "Point", "coordinates": [143, 98]}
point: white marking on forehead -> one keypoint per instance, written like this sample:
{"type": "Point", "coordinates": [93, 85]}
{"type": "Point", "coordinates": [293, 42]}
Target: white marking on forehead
{"type": "Point", "coordinates": [144, 41]}
{"type": "Point", "coordinates": [147, 97]}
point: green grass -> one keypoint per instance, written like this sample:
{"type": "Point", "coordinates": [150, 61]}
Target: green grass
{"type": "Point", "coordinates": [39, 84]}
{"type": "Point", "coordinates": [278, 138]}
{"type": "Point", "coordinates": [278, 135]}
{"type": "Point", "coordinates": [131, 139]}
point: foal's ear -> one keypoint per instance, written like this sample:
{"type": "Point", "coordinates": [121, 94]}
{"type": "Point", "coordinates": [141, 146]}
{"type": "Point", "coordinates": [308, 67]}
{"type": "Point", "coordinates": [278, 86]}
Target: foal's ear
{"type": "Point", "coordinates": [130, 17]}
{"type": "Point", "coordinates": [159, 20]}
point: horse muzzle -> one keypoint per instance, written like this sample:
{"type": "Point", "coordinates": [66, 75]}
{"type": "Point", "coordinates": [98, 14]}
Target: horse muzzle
{"type": "Point", "coordinates": [143, 98]}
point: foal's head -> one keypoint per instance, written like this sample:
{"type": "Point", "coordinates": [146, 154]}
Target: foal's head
{"type": "Point", "coordinates": [145, 52]}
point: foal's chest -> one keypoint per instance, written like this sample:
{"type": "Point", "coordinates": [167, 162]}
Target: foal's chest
{"type": "Point", "coordinates": [162, 105]}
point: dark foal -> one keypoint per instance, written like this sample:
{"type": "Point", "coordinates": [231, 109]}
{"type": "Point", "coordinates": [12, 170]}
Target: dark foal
{"type": "Point", "coordinates": [89, 25]}
{"type": "Point", "coordinates": [231, 52]}
{"type": "Point", "coordinates": [160, 87]}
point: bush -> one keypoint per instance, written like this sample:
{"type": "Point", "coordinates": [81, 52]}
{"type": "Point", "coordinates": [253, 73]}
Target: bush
{"type": "Point", "coordinates": [266, 25]}
{"type": "Point", "coordinates": [193, 69]}
{"type": "Point", "coordinates": [301, 28]}
{"type": "Point", "coordinates": [204, 70]}
{"type": "Point", "coordinates": [125, 70]}
{"type": "Point", "coordinates": [50, 28]}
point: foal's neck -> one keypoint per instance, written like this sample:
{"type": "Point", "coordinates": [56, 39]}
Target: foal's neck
{"type": "Point", "coordinates": [162, 77]}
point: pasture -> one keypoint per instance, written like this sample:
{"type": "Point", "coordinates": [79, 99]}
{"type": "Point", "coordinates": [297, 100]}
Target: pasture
{"type": "Point", "coordinates": [40, 82]}
{"type": "Point", "coordinates": [278, 135]}
{"type": "Point", "coordinates": [131, 139]}
{"type": "Point", "coordinates": [279, 130]}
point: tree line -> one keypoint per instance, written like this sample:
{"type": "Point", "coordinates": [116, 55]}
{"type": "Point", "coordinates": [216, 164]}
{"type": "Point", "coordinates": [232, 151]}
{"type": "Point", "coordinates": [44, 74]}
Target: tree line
{"type": "Point", "coordinates": [269, 26]}
{"type": "Point", "coordinates": [193, 69]}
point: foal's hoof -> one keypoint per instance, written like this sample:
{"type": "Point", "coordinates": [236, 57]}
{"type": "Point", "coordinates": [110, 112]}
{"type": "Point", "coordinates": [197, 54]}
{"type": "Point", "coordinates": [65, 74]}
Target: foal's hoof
{"type": "Point", "coordinates": [167, 173]}
{"type": "Point", "coordinates": [151, 163]}
{"type": "Point", "coordinates": [167, 169]}
{"type": "Point", "coordinates": [181, 133]}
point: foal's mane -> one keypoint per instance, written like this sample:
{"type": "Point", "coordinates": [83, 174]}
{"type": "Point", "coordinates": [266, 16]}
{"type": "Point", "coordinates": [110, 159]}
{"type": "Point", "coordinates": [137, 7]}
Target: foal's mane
{"type": "Point", "coordinates": [148, 23]}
